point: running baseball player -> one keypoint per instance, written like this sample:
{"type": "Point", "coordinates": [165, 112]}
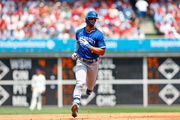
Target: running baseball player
{"type": "Point", "coordinates": [90, 44]}
{"type": "Point", "coordinates": [38, 87]}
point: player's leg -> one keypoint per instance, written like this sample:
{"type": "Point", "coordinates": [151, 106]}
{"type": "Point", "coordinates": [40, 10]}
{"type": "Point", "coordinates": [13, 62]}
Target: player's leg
{"type": "Point", "coordinates": [33, 100]}
{"type": "Point", "coordinates": [80, 73]}
{"type": "Point", "coordinates": [92, 73]}
{"type": "Point", "coordinates": [39, 102]}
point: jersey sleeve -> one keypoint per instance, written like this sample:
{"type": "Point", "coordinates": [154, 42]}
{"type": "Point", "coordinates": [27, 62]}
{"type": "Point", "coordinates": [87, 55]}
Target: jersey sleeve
{"type": "Point", "coordinates": [101, 41]}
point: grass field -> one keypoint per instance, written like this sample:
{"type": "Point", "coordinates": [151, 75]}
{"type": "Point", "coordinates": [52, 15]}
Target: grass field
{"type": "Point", "coordinates": [66, 110]}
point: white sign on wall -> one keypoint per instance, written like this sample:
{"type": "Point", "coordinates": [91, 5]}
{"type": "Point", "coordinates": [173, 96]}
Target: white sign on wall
{"type": "Point", "coordinates": [3, 69]}
{"type": "Point", "coordinates": [20, 75]}
{"type": "Point", "coordinates": [169, 68]}
{"type": "Point", "coordinates": [169, 94]}
{"type": "Point", "coordinates": [85, 101]}
{"type": "Point", "coordinates": [106, 92]}
{"type": "Point", "coordinates": [4, 95]}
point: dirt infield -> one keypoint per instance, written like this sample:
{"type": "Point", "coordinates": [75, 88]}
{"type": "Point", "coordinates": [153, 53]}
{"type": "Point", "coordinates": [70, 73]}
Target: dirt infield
{"type": "Point", "coordinates": [101, 116]}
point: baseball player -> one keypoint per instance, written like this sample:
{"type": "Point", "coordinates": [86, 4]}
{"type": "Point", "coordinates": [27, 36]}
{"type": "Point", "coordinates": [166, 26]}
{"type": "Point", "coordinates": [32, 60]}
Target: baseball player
{"type": "Point", "coordinates": [38, 88]}
{"type": "Point", "coordinates": [89, 46]}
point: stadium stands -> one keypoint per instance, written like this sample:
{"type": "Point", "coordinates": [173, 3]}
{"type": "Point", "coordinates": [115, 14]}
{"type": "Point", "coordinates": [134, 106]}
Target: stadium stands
{"type": "Point", "coordinates": [61, 18]}
{"type": "Point", "coordinates": [166, 16]}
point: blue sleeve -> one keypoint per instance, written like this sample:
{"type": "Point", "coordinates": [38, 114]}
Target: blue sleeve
{"type": "Point", "coordinates": [101, 41]}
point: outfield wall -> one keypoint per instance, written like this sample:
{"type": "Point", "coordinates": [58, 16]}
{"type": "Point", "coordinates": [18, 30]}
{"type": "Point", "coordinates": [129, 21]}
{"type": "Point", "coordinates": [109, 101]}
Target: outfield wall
{"type": "Point", "coordinates": [125, 77]}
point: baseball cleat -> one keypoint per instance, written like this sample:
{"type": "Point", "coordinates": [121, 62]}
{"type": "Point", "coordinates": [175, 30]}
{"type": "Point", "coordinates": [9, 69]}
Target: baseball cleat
{"type": "Point", "coordinates": [74, 110]}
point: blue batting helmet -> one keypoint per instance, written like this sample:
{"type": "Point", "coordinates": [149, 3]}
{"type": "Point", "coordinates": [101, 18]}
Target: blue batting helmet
{"type": "Point", "coordinates": [92, 14]}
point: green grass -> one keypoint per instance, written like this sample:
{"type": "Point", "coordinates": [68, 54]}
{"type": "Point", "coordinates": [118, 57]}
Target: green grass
{"type": "Point", "coordinates": [56, 110]}
{"type": "Point", "coordinates": [131, 109]}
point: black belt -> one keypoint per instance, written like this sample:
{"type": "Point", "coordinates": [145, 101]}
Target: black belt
{"type": "Point", "coordinates": [88, 60]}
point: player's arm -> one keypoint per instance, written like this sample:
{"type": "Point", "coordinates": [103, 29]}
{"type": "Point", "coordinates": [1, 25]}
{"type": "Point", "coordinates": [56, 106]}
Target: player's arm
{"type": "Point", "coordinates": [33, 83]}
{"type": "Point", "coordinates": [99, 51]}
{"type": "Point", "coordinates": [74, 55]}
{"type": "Point", "coordinates": [76, 46]}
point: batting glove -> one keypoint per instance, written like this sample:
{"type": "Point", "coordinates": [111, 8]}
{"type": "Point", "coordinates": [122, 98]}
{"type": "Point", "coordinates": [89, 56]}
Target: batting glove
{"type": "Point", "coordinates": [84, 43]}
{"type": "Point", "coordinates": [74, 56]}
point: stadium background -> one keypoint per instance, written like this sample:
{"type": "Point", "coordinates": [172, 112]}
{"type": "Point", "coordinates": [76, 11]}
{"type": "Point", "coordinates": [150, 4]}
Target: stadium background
{"type": "Point", "coordinates": [141, 66]}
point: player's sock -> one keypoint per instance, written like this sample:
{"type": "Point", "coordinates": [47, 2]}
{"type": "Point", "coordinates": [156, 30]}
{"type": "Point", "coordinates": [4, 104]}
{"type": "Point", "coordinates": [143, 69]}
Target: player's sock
{"type": "Point", "coordinates": [77, 101]}
{"type": "Point", "coordinates": [88, 92]}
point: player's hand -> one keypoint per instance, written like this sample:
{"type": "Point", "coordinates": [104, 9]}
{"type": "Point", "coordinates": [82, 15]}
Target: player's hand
{"type": "Point", "coordinates": [74, 56]}
{"type": "Point", "coordinates": [83, 42]}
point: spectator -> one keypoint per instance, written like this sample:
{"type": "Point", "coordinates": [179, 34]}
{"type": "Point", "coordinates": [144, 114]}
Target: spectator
{"type": "Point", "coordinates": [142, 7]}
{"type": "Point", "coordinates": [170, 34]}
{"type": "Point", "coordinates": [138, 33]}
{"type": "Point", "coordinates": [154, 5]}
{"type": "Point", "coordinates": [177, 22]}
{"type": "Point", "coordinates": [127, 9]}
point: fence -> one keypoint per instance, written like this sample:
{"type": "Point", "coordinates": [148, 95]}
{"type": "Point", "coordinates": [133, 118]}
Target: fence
{"type": "Point", "coordinates": [132, 72]}
{"type": "Point", "coordinates": [121, 81]}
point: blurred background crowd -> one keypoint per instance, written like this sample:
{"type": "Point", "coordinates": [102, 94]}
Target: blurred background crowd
{"type": "Point", "coordinates": [61, 18]}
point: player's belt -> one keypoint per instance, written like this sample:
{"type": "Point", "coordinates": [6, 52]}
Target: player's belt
{"type": "Point", "coordinates": [88, 60]}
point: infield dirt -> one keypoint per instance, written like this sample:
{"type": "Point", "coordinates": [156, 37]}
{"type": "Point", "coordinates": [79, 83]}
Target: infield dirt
{"type": "Point", "coordinates": [92, 116]}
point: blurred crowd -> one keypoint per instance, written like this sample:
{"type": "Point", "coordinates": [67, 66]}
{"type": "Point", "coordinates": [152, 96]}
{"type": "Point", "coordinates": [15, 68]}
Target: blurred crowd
{"type": "Point", "coordinates": [55, 18]}
{"type": "Point", "coordinates": [61, 18]}
{"type": "Point", "coordinates": [166, 16]}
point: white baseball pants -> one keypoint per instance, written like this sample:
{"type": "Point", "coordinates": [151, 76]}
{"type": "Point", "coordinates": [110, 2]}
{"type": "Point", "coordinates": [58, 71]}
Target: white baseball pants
{"type": "Point", "coordinates": [36, 100]}
{"type": "Point", "coordinates": [86, 74]}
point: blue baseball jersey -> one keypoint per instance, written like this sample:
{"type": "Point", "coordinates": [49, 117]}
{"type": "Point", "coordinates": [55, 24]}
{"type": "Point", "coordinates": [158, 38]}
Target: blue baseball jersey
{"type": "Point", "coordinates": [95, 38]}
